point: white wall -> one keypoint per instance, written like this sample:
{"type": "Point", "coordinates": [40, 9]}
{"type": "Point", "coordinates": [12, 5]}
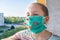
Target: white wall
{"type": "Point", "coordinates": [1, 19]}
{"type": "Point", "coordinates": [54, 12]}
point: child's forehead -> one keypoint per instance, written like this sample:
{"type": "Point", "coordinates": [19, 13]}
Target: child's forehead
{"type": "Point", "coordinates": [33, 6]}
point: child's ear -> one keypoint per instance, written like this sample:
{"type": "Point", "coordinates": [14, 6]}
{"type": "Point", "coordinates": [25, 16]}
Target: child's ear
{"type": "Point", "coordinates": [46, 19]}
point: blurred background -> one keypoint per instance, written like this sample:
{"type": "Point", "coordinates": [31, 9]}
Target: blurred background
{"type": "Point", "coordinates": [12, 13]}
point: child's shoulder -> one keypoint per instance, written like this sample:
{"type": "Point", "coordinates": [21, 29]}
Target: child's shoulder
{"type": "Point", "coordinates": [24, 34]}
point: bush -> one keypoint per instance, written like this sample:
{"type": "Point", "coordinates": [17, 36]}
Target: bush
{"type": "Point", "coordinates": [12, 27]}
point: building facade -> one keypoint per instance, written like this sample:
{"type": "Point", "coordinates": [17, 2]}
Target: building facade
{"type": "Point", "coordinates": [1, 19]}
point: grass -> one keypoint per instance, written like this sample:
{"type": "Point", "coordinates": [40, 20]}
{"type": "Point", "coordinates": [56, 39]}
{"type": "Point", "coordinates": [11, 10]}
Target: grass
{"type": "Point", "coordinates": [8, 33]}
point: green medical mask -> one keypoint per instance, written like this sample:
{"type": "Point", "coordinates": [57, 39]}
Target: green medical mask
{"type": "Point", "coordinates": [36, 23]}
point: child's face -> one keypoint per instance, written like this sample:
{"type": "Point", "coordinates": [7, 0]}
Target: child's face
{"type": "Point", "coordinates": [35, 19]}
{"type": "Point", "coordinates": [36, 10]}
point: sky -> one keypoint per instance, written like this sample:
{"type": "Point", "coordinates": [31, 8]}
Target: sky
{"type": "Point", "coordinates": [14, 7]}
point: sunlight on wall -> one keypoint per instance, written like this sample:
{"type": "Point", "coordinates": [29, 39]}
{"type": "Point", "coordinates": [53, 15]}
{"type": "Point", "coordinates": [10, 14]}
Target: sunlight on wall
{"type": "Point", "coordinates": [42, 1]}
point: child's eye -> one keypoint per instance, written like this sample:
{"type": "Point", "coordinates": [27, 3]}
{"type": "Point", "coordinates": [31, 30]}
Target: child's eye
{"type": "Point", "coordinates": [28, 14]}
{"type": "Point", "coordinates": [35, 14]}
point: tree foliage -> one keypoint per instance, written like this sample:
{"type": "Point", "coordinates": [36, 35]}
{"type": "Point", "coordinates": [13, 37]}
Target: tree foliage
{"type": "Point", "coordinates": [14, 20]}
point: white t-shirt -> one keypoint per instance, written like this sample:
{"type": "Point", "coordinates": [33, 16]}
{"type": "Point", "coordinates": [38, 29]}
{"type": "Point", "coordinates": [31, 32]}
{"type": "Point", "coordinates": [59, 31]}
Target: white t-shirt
{"type": "Point", "coordinates": [26, 35]}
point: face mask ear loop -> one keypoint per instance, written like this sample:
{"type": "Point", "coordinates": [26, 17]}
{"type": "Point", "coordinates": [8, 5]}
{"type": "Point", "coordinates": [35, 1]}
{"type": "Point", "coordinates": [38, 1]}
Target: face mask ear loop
{"type": "Point", "coordinates": [44, 18]}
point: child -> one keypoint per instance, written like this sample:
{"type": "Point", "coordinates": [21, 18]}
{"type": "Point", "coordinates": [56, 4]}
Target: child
{"type": "Point", "coordinates": [36, 20]}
